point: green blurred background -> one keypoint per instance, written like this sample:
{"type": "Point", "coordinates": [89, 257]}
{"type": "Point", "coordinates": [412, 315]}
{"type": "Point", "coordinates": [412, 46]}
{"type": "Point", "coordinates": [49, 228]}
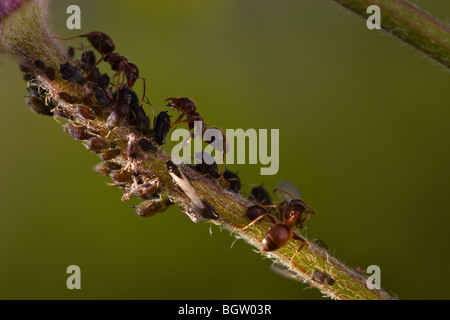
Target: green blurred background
{"type": "Point", "coordinates": [364, 127]}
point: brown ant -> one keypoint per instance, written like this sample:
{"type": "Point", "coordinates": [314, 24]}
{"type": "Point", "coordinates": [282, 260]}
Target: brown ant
{"type": "Point", "coordinates": [290, 214]}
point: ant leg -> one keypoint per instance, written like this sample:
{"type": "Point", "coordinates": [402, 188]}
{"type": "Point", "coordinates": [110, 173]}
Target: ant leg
{"type": "Point", "coordinates": [311, 210]}
{"type": "Point", "coordinates": [143, 96]}
{"type": "Point", "coordinates": [298, 238]}
{"type": "Point", "coordinates": [257, 220]}
{"type": "Point", "coordinates": [96, 64]}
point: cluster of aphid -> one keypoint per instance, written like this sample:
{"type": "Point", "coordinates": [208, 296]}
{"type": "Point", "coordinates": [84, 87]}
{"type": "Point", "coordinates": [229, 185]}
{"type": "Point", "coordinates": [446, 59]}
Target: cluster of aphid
{"type": "Point", "coordinates": [117, 104]}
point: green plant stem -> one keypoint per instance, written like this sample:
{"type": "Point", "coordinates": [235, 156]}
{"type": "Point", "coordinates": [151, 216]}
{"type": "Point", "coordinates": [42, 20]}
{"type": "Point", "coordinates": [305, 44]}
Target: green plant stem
{"type": "Point", "coordinates": [410, 24]}
{"type": "Point", "coordinates": [230, 206]}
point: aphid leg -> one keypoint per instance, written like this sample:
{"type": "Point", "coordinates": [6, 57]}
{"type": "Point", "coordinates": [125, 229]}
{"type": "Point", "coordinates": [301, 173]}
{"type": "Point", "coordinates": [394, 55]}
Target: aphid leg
{"type": "Point", "coordinates": [298, 238]}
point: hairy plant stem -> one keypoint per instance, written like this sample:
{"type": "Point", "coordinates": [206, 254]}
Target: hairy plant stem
{"type": "Point", "coordinates": [410, 24]}
{"type": "Point", "coordinates": [25, 43]}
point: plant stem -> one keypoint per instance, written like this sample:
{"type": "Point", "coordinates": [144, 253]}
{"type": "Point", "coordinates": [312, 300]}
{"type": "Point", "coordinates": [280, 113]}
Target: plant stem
{"type": "Point", "coordinates": [24, 43]}
{"type": "Point", "coordinates": [410, 24]}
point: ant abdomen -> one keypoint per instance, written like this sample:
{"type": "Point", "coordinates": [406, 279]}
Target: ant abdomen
{"type": "Point", "coordinates": [276, 237]}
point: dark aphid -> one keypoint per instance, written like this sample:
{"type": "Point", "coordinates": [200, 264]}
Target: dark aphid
{"type": "Point", "coordinates": [98, 144]}
{"type": "Point", "coordinates": [161, 125]}
{"type": "Point", "coordinates": [88, 59]}
{"type": "Point", "coordinates": [94, 76]}
{"type": "Point", "coordinates": [37, 105]}
{"type": "Point", "coordinates": [121, 176]}
{"type": "Point", "coordinates": [72, 74]}
{"type": "Point", "coordinates": [102, 98]}
{"type": "Point", "coordinates": [118, 115]}
{"type": "Point", "coordinates": [205, 210]}
{"type": "Point", "coordinates": [70, 52]}
{"type": "Point", "coordinates": [147, 191]}
{"type": "Point", "coordinates": [61, 113]}
{"type": "Point", "coordinates": [79, 133]}
{"type": "Point", "coordinates": [68, 98]}
{"type": "Point", "coordinates": [260, 195]}
{"type": "Point", "coordinates": [109, 154]}
{"type": "Point", "coordinates": [150, 207]}
{"type": "Point", "coordinates": [50, 73]}
{"type": "Point", "coordinates": [112, 166]}
{"type": "Point", "coordinates": [322, 278]}
{"type": "Point", "coordinates": [205, 164]}
{"type": "Point", "coordinates": [40, 65]}
{"type": "Point", "coordinates": [147, 145]}
{"type": "Point", "coordinates": [255, 211]}
{"type": "Point", "coordinates": [85, 113]}
{"type": "Point", "coordinates": [234, 183]}
{"type": "Point", "coordinates": [140, 119]}
{"type": "Point", "coordinates": [320, 244]}
{"type": "Point", "coordinates": [35, 91]}
{"type": "Point", "coordinates": [121, 109]}
{"type": "Point", "coordinates": [103, 81]}
{"type": "Point", "coordinates": [25, 69]}
{"type": "Point", "coordinates": [102, 169]}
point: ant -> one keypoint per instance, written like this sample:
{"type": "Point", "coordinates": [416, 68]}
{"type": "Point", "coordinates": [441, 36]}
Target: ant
{"type": "Point", "coordinates": [105, 45]}
{"type": "Point", "coordinates": [290, 214]}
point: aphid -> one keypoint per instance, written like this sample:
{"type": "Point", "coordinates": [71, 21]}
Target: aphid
{"type": "Point", "coordinates": [121, 176]}
{"type": "Point", "coordinates": [102, 169]}
{"type": "Point", "coordinates": [101, 97]}
{"type": "Point", "coordinates": [99, 144]}
{"type": "Point", "coordinates": [39, 64]}
{"type": "Point", "coordinates": [48, 71]}
{"type": "Point", "coordinates": [147, 145]}
{"type": "Point", "coordinates": [200, 208]}
{"type": "Point", "coordinates": [37, 105]}
{"type": "Point", "coordinates": [109, 154]}
{"type": "Point", "coordinates": [85, 113]}
{"type": "Point", "coordinates": [161, 127]}
{"type": "Point", "coordinates": [140, 118]}
{"type": "Point", "coordinates": [205, 164]}
{"type": "Point", "coordinates": [260, 195]}
{"type": "Point", "coordinates": [150, 207]}
{"type": "Point", "coordinates": [234, 183]}
{"type": "Point", "coordinates": [68, 98]}
{"type": "Point", "coordinates": [72, 74]}
{"type": "Point", "coordinates": [320, 244]}
{"type": "Point", "coordinates": [70, 52]}
{"type": "Point", "coordinates": [112, 166]}
{"type": "Point", "coordinates": [94, 76]}
{"type": "Point", "coordinates": [146, 191]}
{"type": "Point", "coordinates": [121, 109]}
{"type": "Point", "coordinates": [79, 133]}
{"type": "Point", "coordinates": [322, 278]}
{"type": "Point", "coordinates": [88, 59]}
